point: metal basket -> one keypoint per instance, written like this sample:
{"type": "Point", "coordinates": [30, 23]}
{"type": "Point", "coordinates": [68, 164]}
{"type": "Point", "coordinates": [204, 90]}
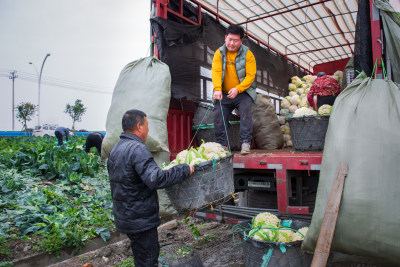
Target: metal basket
{"type": "Point", "coordinates": [308, 132]}
{"type": "Point", "coordinates": [258, 252]}
{"type": "Point", "coordinates": [210, 184]}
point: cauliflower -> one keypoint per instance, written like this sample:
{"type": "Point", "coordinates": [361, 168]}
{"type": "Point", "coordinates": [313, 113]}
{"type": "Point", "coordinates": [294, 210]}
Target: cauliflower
{"type": "Point", "coordinates": [181, 157]}
{"type": "Point", "coordinates": [304, 112]}
{"type": "Point", "coordinates": [264, 234]}
{"type": "Point", "coordinates": [325, 109]}
{"type": "Point", "coordinates": [284, 111]}
{"type": "Point", "coordinates": [297, 81]}
{"type": "Point", "coordinates": [292, 87]}
{"type": "Point", "coordinates": [169, 166]}
{"type": "Point", "coordinates": [300, 234]}
{"type": "Point", "coordinates": [281, 119]}
{"type": "Point", "coordinates": [313, 79]}
{"type": "Point", "coordinates": [292, 93]}
{"type": "Point", "coordinates": [338, 73]}
{"type": "Point", "coordinates": [265, 218]}
{"type": "Point", "coordinates": [304, 103]}
{"type": "Point", "coordinates": [212, 150]}
{"type": "Point", "coordinates": [304, 86]}
{"type": "Point", "coordinates": [295, 100]}
{"type": "Point", "coordinates": [306, 91]}
{"type": "Point", "coordinates": [335, 77]}
{"type": "Point", "coordinates": [285, 103]}
{"type": "Point", "coordinates": [285, 129]}
{"type": "Point", "coordinates": [197, 161]}
{"type": "Point", "coordinates": [300, 91]}
{"type": "Point", "coordinates": [285, 235]}
{"type": "Point", "coordinates": [308, 79]}
{"type": "Point", "coordinates": [292, 108]}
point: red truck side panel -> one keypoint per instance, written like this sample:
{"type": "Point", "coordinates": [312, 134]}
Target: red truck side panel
{"type": "Point", "coordinates": [281, 161]}
{"type": "Point", "coordinates": [179, 124]}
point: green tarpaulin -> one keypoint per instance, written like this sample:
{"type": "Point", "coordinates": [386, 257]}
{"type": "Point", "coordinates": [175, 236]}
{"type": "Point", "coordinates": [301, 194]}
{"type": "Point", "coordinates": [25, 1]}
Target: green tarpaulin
{"type": "Point", "coordinates": [364, 132]}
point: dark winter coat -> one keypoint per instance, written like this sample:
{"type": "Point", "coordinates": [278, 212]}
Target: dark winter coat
{"type": "Point", "coordinates": [135, 178]}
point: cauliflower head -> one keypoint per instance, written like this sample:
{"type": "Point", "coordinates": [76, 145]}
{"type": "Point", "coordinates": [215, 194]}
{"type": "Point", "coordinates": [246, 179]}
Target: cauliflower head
{"type": "Point", "coordinates": [285, 103]}
{"type": "Point", "coordinates": [285, 235]}
{"type": "Point", "coordinates": [264, 219]}
{"type": "Point", "coordinates": [325, 109]}
{"type": "Point", "coordinates": [292, 87]}
{"type": "Point", "coordinates": [304, 111]}
{"type": "Point", "coordinates": [265, 234]}
{"type": "Point", "coordinates": [300, 234]}
{"type": "Point", "coordinates": [297, 81]}
{"type": "Point", "coordinates": [212, 150]}
{"type": "Point", "coordinates": [197, 161]}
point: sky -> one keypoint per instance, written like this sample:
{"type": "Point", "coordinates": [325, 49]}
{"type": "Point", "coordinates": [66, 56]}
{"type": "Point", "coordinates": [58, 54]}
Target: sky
{"type": "Point", "coordinates": [90, 42]}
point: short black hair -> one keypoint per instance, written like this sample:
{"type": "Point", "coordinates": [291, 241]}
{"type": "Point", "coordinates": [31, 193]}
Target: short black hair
{"type": "Point", "coordinates": [235, 29]}
{"type": "Point", "coordinates": [131, 118]}
{"type": "Point", "coordinates": [321, 74]}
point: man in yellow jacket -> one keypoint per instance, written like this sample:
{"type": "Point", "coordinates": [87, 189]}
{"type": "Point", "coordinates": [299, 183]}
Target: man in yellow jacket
{"type": "Point", "coordinates": [233, 75]}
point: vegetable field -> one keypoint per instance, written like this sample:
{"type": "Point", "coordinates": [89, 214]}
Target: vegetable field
{"type": "Point", "coordinates": [51, 197]}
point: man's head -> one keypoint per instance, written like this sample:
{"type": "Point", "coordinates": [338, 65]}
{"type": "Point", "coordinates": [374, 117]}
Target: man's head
{"type": "Point", "coordinates": [320, 74]}
{"type": "Point", "coordinates": [135, 122]}
{"type": "Point", "coordinates": [234, 37]}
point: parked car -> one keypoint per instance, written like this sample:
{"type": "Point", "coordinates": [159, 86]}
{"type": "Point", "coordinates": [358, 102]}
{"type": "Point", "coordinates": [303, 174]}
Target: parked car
{"type": "Point", "coordinates": [45, 130]}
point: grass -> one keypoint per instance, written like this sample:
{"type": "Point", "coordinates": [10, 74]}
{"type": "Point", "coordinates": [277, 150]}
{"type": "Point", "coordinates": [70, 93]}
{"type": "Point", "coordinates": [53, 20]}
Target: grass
{"type": "Point", "coordinates": [125, 263]}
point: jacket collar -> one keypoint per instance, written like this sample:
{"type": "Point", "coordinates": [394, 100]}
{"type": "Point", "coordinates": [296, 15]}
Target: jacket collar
{"type": "Point", "coordinates": [223, 49]}
{"type": "Point", "coordinates": [125, 135]}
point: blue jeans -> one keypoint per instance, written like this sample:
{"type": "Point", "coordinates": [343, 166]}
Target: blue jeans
{"type": "Point", "coordinates": [243, 102]}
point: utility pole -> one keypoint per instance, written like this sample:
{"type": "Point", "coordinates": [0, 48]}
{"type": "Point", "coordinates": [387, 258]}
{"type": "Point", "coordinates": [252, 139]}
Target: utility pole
{"type": "Point", "coordinates": [13, 76]}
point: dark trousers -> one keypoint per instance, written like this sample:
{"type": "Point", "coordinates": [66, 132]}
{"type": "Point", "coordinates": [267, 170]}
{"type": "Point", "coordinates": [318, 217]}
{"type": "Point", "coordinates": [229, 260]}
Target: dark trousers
{"type": "Point", "coordinates": [93, 140]}
{"type": "Point", "coordinates": [145, 248]}
{"type": "Point", "coordinates": [60, 137]}
{"type": "Point", "coordinates": [329, 100]}
{"type": "Point", "coordinates": [243, 102]}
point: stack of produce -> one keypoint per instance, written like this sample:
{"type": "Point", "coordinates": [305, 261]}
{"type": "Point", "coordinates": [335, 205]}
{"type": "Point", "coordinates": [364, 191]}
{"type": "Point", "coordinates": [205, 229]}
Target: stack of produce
{"type": "Point", "coordinates": [296, 104]}
{"type": "Point", "coordinates": [297, 99]}
{"type": "Point", "coordinates": [267, 227]}
{"type": "Point", "coordinates": [192, 156]}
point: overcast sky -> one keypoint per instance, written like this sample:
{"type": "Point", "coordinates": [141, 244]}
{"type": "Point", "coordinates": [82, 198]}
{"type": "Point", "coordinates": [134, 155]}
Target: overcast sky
{"type": "Point", "coordinates": [90, 41]}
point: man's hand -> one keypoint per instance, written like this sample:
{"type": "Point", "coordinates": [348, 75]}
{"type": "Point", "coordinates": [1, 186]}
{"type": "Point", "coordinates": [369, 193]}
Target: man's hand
{"type": "Point", "coordinates": [217, 95]}
{"type": "Point", "coordinates": [233, 93]}
{"type": "Point", "coordinates": [191, 169]}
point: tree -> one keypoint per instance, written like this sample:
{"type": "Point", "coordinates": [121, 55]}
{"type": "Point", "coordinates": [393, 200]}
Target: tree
{"type": "Point", "coordinates": [25, 112]}
{"type": "Point", "coordinates": [75, 112]}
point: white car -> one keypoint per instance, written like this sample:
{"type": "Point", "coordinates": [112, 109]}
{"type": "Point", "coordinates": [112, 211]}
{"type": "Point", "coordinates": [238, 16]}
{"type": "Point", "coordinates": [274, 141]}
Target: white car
{"type": "Point", "coordinates": [44, 130]}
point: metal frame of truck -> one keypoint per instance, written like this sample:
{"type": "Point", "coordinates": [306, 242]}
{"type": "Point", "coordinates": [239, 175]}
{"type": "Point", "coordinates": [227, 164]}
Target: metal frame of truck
{"type": "Point", "coordinates": [277, 162]}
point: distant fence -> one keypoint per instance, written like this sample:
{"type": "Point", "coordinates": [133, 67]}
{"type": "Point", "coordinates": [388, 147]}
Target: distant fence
{"type": "Point", "coordinates": [18, 133]}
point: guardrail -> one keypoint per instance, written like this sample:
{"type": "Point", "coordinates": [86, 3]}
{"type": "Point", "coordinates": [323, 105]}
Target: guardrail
{"type": "Point", "coordinates": [18, 133]}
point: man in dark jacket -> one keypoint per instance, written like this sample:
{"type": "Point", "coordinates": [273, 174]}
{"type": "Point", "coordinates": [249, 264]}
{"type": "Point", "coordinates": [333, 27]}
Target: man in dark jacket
{"type": "Point", "coordinates": [60, 132]}
{"type": "Point", "coordinates": [135, 178]}
{"type": "Point", "coordinates": [94, 140]}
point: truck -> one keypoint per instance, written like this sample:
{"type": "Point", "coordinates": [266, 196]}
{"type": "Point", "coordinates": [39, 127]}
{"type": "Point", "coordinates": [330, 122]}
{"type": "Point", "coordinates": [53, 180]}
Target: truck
{"type": "Point", "coordinates": [288, 38]}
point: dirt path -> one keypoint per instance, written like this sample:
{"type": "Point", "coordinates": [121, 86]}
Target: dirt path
{"type": "Point", "coordinates": [215, 246]}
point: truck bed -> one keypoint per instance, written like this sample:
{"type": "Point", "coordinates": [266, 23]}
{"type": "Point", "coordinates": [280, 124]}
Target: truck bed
{"type": "Point", "coordinates": [280, 161]}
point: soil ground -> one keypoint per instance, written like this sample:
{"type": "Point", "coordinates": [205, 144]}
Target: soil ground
{"type": "Point", "coordinates": [215, 246]}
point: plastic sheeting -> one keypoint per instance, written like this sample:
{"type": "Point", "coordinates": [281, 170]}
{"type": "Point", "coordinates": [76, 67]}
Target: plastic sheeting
{"type": "Point", "coordinates": [144, 85]}
{"type": "Point", "coordinates": [391, 27]}
{"type": "Point", "coordinates": [364, 132]}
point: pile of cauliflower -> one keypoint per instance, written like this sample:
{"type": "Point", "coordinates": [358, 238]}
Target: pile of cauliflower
{"type": "Point", "coordinates": [296, 104]}
{"type": "Point", "coordinates": [267, 227]}
{"type": "Point", "coordinates": [192, 156]}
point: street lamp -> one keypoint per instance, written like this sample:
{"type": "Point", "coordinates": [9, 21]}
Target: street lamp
{"type": "Point", "coordinates": [39, 80]}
